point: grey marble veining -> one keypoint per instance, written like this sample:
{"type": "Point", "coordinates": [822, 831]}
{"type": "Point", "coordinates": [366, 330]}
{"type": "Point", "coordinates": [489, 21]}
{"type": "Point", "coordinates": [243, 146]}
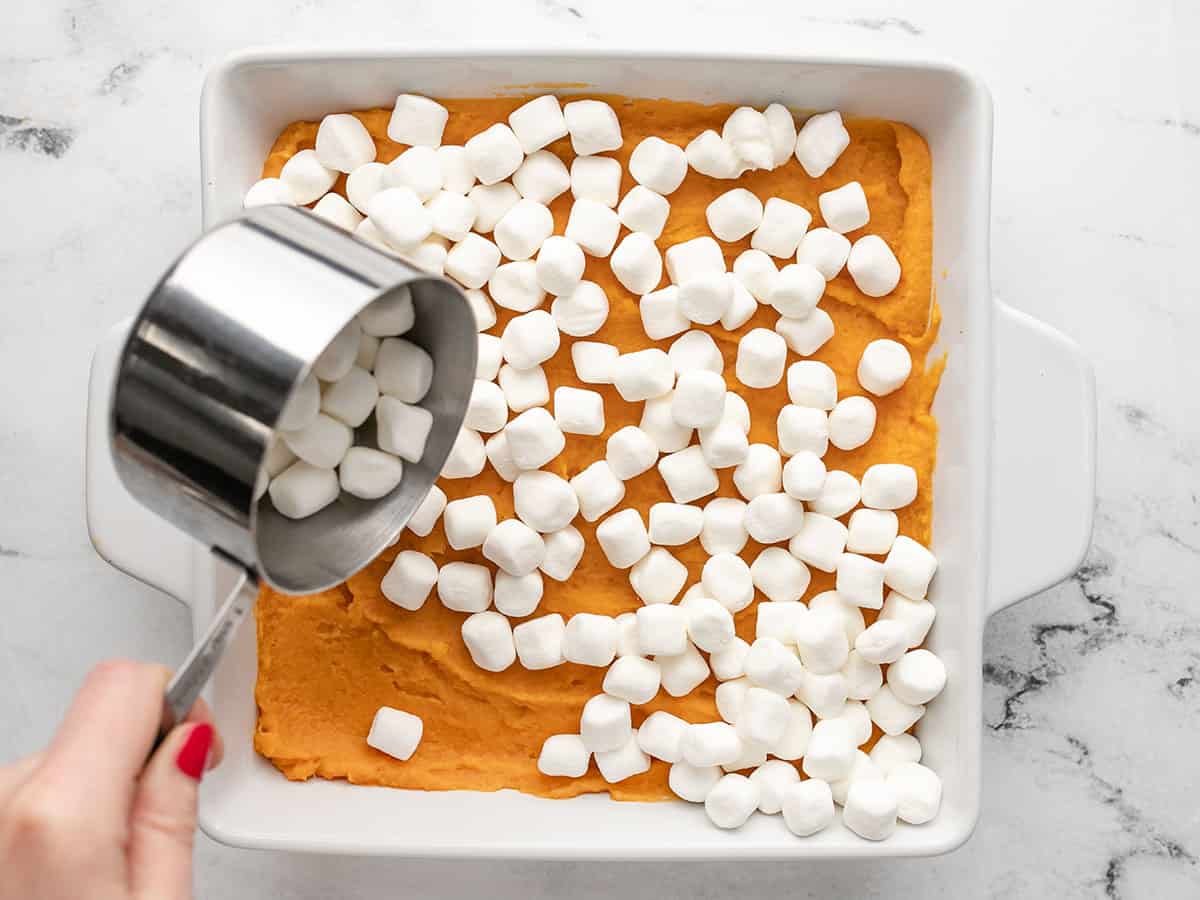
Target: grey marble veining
{"type": "Point", "coordinates": [1092, 689]}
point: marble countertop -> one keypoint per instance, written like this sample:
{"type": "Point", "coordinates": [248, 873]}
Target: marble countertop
{"type": "Point", "coordinates": [1092, 689]}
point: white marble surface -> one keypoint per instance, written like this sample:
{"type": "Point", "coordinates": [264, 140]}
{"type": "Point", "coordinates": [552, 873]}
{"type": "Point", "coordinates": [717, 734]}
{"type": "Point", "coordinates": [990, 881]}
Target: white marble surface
{"type": "Point", "coordinates": [1092, 688]}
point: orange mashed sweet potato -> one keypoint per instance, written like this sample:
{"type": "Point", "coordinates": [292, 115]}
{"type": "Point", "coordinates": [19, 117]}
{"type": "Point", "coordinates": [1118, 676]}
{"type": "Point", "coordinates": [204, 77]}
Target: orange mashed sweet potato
{"type": "Point", "coordinates": [327, 662]}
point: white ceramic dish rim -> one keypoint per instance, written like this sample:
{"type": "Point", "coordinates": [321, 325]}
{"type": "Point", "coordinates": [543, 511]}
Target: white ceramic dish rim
{"type": "Point", "coordinates": [1047, 384]}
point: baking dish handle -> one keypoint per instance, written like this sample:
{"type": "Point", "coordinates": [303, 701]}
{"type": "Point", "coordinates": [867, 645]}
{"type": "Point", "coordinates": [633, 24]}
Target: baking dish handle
{"type": "Point", "coordinates": [125, 533]}
{"type": "Point", "coordinates": [1044, 458]}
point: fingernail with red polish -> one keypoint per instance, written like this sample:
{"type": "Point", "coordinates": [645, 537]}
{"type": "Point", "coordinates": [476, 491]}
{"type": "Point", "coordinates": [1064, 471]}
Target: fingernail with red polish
{"type": "Point", "coordinates": [194, 752]}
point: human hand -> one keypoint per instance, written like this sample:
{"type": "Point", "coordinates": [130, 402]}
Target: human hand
{"type": "Point", "coordinates": [89, 817]}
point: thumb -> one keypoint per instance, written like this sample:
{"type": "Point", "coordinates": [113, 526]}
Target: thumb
{"type": "Point", "coordinates": [163, 819]}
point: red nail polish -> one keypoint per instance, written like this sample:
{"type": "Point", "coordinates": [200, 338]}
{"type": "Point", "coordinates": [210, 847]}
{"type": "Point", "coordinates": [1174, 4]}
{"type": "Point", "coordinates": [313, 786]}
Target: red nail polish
{"type": "Point", "coordinates": [194, 752]}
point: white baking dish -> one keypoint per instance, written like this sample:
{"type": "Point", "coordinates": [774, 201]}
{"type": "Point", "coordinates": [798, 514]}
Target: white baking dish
{"type": "Point", "coordinates": [1016, 411]}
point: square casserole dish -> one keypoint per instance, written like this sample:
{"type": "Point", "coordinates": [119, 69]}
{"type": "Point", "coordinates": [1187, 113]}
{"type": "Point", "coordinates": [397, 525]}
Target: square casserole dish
{"type": "Point", "coordinates": [1008, 378]}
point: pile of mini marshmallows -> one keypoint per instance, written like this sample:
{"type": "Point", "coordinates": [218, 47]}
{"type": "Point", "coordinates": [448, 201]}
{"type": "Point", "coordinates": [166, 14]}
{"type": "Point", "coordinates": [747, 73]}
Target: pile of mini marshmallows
{"type": "Point", "coordinates": [433, 205]}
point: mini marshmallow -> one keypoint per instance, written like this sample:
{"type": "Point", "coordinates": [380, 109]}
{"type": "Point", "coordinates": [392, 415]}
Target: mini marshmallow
{"type": "Point", "coordinates": [605, 723]}
{"type": "Point", "coordinates": [797, 290]}
{"type": "Point", "coordinates": [538, 123]}
{"type": "Point", "coordinates": [517, 595]}
{"type": "Point", "coordinates": [863, 678]}
{"type": "Point", "coordinates": [494, 154]}
{"type": "Point", "coordinates": [873, 266]}
{"type": "Point", "coordinates": [812, 384]}
{"type": "Point", "coordinates": [389, 316]}
{"type": "Point", "coordinates": [488, 357]}
{"type": "Point", "coordinates": [622, 537]}
{"type": "Point", "coordinates": [590, 640]}
{"type": "Point", "coordinates": [752, 756]}
{"type": "Point", "coordinates": [772, 518]}
{"type": "Point", "coordinates": [748, 133]}
{"type": "Point", "coordinates": [633, 678]}
{"type": "Point", "coordinates": [593, 226]}
{"type": "Point", "coordinates": [400, 216]}
{"type": "Point", "coordinates": [429, 255]}
{"type": "Point", "coordinates": [578, 411]}
{"type": "Point", "coordinates": [882, 642]}
{"type": "Point", "coordinates": [268, 191]}
{"type": "Point", "coordinates": [629, 452]}
{"type": "Point", "coordinates": [395, 732]}
{"type": "Point", "coordinates": [305, 178]}
{"type": "Point", "coordinates": [783, 225]}
{"type": "Point", "coordinates": [860, 581]}
{"type": "Point", "coordinates": [807, 806]}
{"type": "Point", "coordinates": [894, 750]}
{"type": "Point", "coordinates": [643, 374]}
{"type": "Point", "coordinates": [704, 298]}
{"type": "Point", "coordinates": [598, 488]}
{"type": "Point", "coordinates": [724, 445]}
{"type": "Point", "coordinates": [468, 521]}
{"type": "Point", "coordinates": [658, 577]}
{"type": "Point", "coordinates": [514, 547]}
{"type": "Point", "coordinates": [464, 587]}
{"type": "Point", "coordinates": [687, 476]}
{"type": "Point", "coordinates": [642, 210]}
{"type": "Point", "coordinates": [471, 263]}
{"type": "Point", "coordinates": [352, 398]}
{"type": "Point", "coordinates": [699, 399]}
{"type": "Point", "coordinates": [529, 339]}
{"type": "Point", "coordinates": [321, 443]}
{"type": "Point", "coordinates": [303, 489]}
{"type": "Point", "coordinates": [593, 360]}
{"type": "Point", "coordinates": [564, 549]}
{"type": "Point", "coordinates": [731, 801]}
{"type": "Point", "coordinates": [756, 271]}
{"type": "Point", "coordinates": [730, 661]}
{"type": "Point", "coordinates": [627, 639]}
{"type": "Point", "coordinates": [636, 263]}
{"type": "Point", "coordinates": [892, 714]}
{"type": "Point", "coordinates": [523, 388]}
{"type": "Point", "coordinates": [660, 313]}
{"type": "Point", "coordinates": [735, 412]}
{"type": "Point", "coordinates": [918, 792]}
{"type": "Point", "coordinates": [825, 249]}
{"type": "Point", "coordinates": [662, 630]}
{"type": "Point", "coordinates": [467, 456]}
{"type": "Point", "coordinates": [683, 672]}
{"type": "Point", "coordinates": [487, 410]}
{"type": "Point", "coordinates": [760, 473]}
{"type": "Point", "coordinates": [564, 755]}
{"type": "Point", "coordinates": [741, 308]}
{"type": "Point", "coordinates": [802, 428]}
{"type": "Point", "coordinates": [794, 743]}
{"type": "Point", "coordinates": [821, 642]}
{"type": "Point", "coordinates": [839, 494]}
{"type": "Point", "coordinates": [277, 458]}
{"type": "Point", "coordinates": [593, 127]}
{"type": "Point", "coordinates": [862, 770]}
{"type": "Point", "coordinates": [582, 311]}
{"type": "Point", "coordinates": [804, 475]}
{"type": "Point", "coordinates": [693, 783]}
{"type": "Point", "coordinates": [417, 120]}
{"type": "Point", "coordinates": [560, 265]}
{"type": "Point", "coordinates": [672, 524]}
{"type": "Point", "coordinates": [364, 183]}
{"type": "Point", "coordinates": [806, 336]}
{"type": "Point", "coordinates": [523, 229]}
{"type": "Point", "coordinates": [851, 615]}
{"type": "Point", "coordinates": [845, 208]}
{"type": "Point", "coordinates": [710, 155]}
{"type": "Point", "coordinates": [658, 165]}
{"type": "Point", "coordinates": [456, 169]}
{"type": "Point", "coordinates": [710, 744]}
{"type": "Point", "coordinates": [417, 169]}
{"type": "Point", "coordinates": [851, 423]}
{"type": "Point", "coordinates": [909, 567]}
{"type": "Point", "coordinates": [820, 142]}
{"type": "Point", "coordinates": [773, 778]}
{"type": "Point", "coordinates": [916, 616]}
{"type": "Point", "coordinates": [824, 694]}
{"type": "Point", "coordinates": [658, 422]}
{"type": "Point", "coordinates": [783, 579]}
{"type": "Point", "coordinates": [489, 640]}
{"type": "Point", "coordinates": [917, 677]}
{"type": "Point", "coordinates": [453, 214]}
{"type": "Point", "coordinates": [831, 751]}
{"type": "Point", "coordinates": [773, 666]}
{"type": "Point", "coordinates": [337, 209]}
{"type": "Point", "coordinates": [695, 258]}
{"type": "Point", "coordinates": [819, 542]}
{"type": "Point", "coordinates": [661, 736]}
{"type": "Point", "coordinates": [782, 129]}
{"type": "Point", "coordinates": [409, 580]}
{"type": "Point", "coordinates": [368, 349]}
{"type": "Point", "coordinates": [492, 203]}
{"type": "Point", "coordinates": [734, 214]}
{"type": "Point", "coordinates": [760, 358]}
{"type": "Point", "coordinates": [709, 624]}
{"type": "Point", "coordinates": [724, 529]}
{"type": "Point", "coordinates": [624, 762]}
{"type": "Point", "coordinates": [421, 522]}
{"type": "Point", "coordinates": [368, 473]}
{"type": "Point", "coordinates": [764, 717]}
{"type": "Point", "coordinates": [872, 531]}
{"type": "Point", "coordinates": [544, 501]}
{"type": "Point", "coordinates": [889, 486]}
{"type": "Point", "coordinates": [870, 809]}
{"type": "Point", "coordinates": [596, 178]}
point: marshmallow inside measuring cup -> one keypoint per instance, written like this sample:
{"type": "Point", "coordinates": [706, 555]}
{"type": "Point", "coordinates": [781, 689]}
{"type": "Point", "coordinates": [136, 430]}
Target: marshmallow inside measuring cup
{"type": "Point", "coordinates": [318, 451]}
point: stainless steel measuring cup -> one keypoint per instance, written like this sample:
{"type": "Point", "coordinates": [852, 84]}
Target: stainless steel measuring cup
{"type": "Point", "coordinates": [225, 338]}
